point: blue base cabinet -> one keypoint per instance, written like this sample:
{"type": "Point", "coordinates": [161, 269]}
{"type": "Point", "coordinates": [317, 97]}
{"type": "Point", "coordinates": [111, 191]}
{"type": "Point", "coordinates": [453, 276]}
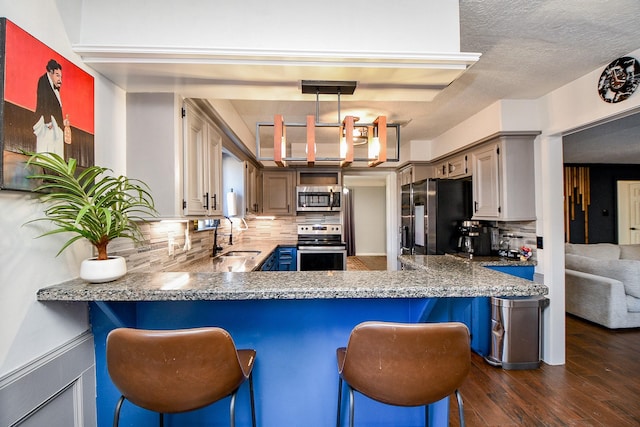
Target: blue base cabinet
{"type": "Point", "coordinates": [271, 263]}
{"type": "Point", "coordinates": [287, 258]}
{"type": "Point", "coordinates": [295, 374]}
{"type": "Point", "coordinates": [524, 271]}
{"type": "Point", "coordinates": [284, 258]}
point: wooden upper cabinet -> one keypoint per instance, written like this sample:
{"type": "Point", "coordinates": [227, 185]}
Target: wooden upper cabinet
{"type": "Point", "coordinates": [202, 179]}
{"type": "Point", "coordinates": [252, 188]}
{"type": "Point", "coordinates": [154, 147]}
{"type": "Point", "coordinates": [486, 182]}
{"type": "Point", "coordinates": [278, 193]}
{"type": "Point", "coordinates": [414, 173]}
{"type": "Point", "coordinates": [503, 179]}
{"type": "Point", "coordinates": [457, 167]}
{"type": "Point", "coordinates": [454, 167]}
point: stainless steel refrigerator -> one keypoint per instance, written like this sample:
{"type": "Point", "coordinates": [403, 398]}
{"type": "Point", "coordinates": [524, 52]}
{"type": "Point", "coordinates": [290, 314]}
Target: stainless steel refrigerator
{"type": "Point", "coordinates": [431, 213]}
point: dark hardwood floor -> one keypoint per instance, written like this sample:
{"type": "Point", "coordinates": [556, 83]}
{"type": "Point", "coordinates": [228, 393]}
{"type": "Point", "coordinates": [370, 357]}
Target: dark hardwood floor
{"type": "Point", "coordinates": [598, 386]}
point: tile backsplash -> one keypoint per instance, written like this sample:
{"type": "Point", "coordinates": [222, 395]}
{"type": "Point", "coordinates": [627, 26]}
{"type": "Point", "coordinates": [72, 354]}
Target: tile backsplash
{"type": "Point", "coordinates": [166, 243]}
{"type": "Point", "coordinates": [526, 229]}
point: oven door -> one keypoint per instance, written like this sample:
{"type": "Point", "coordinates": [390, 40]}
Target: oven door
{"type": "Point", "coordinates": [322, 258]}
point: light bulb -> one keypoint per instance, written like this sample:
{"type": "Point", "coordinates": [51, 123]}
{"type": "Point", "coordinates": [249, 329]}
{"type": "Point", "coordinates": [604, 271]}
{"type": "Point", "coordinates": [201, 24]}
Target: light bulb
{"type": "Point", "coordinates": [374, 148]}
{"type": "Point", "coordinates": [343, 148]}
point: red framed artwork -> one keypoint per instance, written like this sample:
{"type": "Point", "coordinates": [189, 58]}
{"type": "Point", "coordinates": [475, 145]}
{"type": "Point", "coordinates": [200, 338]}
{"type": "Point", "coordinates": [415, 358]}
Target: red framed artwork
{"type": "Point", "coordinates": [47, 105]}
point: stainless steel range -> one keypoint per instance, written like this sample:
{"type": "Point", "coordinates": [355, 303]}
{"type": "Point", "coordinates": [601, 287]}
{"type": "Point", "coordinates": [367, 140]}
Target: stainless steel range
{"type": "Point", "coordinates": [320, 247]}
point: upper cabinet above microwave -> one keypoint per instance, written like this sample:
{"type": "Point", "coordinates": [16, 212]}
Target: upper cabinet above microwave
{"type": "Point", "coordinates": [278, 188]}
{"type": "Point", "coordinates": [319, 177]}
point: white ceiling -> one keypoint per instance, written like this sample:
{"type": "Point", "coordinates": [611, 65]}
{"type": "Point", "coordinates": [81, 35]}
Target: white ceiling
{"type": "Point", "coordinates": [528, 47]}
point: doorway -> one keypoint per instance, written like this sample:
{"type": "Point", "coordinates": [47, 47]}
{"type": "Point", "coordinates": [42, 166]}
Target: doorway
{"type": "Point", "coordinates": [628, 212]}
{"type": "Point", "coordinates": [375, 223]}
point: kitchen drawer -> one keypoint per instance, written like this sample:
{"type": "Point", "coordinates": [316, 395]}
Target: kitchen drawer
{"type": "Point", "coordinates": [287, 259]}
{"type": "Point", "coordinates": [270, 264]}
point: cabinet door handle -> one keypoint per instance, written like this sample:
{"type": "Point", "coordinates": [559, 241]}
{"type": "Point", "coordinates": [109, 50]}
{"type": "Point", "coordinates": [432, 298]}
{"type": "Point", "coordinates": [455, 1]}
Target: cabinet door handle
{"type": "Point", "coordinates": [215, 202]}
{"type": "Point", "coordinates": [206, 201]}
{"type": "Point", "coordinates": [451, 168]}
{"type": "Point", "coordinates": [444, 169]}
{"type": "Point", "coordinates": [475, 206]}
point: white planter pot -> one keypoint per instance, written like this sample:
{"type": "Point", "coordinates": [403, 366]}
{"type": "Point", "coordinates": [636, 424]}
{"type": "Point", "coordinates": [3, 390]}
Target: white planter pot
{"type": "Point", "coordinates": [94, 271]}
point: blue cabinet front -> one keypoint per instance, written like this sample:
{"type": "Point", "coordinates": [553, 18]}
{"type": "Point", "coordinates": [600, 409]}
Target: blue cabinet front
{"type": "Point", "coordinates": [287, 259]}
{"type": "Point", "coordinates": [295, 375]}
{"type": "Point", "coordinates": [270, 264]}
{"type": "Point", "coordinates": [524, 271]}
{"type": "Point", "coordinates": [281, 259]}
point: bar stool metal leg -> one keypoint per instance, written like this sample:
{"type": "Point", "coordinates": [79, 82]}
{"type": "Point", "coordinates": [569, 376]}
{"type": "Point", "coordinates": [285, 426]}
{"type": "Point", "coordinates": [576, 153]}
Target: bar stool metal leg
{"type": "Point", "coordinates": [426, 415]}
{"type": "Point", "coordinates": [352, 403]}
{"type": "Point", "coordinates": [339, 401]}
{"type": "Point", "coordinates": [116, 415]}
{"type": "Point", "coordinates": [253, 405]}
{"type": "Point", "coordinates": [460, 408]}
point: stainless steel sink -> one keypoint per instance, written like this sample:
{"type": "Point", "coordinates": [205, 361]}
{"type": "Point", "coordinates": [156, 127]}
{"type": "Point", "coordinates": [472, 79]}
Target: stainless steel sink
{"type": "Point", "coordinates": [241, 253]}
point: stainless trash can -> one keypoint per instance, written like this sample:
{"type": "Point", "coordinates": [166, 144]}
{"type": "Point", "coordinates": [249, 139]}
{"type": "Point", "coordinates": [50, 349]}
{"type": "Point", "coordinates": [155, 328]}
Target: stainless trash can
{"type": "Point", "coordinates": [515, 332]}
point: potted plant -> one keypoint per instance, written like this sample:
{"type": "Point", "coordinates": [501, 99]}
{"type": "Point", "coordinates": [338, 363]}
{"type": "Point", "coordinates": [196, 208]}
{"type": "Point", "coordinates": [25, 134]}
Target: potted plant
{"type": "Point", "coordinates": [92, 205]}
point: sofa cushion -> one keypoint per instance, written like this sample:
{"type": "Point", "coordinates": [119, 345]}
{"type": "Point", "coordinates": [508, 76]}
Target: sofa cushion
{"type": "Point", "coordinates": [578, 263]}
{"type": "Point", "coordinates": [630, 252]}
{"type": "Point", "coordinates": [625, 270]}
{"type": "Point", "coordinates": [633, 304]}
{"type": "Point", "coordinates": [597, 250]}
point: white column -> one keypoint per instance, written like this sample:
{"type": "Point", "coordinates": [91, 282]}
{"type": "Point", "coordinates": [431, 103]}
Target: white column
{"type": "Point", "coordinates": [550, 225]}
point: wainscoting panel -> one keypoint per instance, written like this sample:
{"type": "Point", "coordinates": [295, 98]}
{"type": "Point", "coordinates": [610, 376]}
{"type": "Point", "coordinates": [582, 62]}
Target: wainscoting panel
{"type": "Point", "coordinates": [57, 389]}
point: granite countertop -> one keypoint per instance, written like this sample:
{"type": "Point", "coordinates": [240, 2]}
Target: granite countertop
{"type": "Point", "coordinates": [236, 264]}
{"type": "Point", "coordinates": [439, 276]}
{"type": "Point", "coordinates": [422, 261]}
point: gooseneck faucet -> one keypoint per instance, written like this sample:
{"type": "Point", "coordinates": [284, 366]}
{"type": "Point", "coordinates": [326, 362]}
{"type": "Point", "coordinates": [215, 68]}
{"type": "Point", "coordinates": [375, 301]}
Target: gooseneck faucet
{"type": "Point", "coordinates": [216, 248]}
{"type": "Point", "coordinates": [230, 231]}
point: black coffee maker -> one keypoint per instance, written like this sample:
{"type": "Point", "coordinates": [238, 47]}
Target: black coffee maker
{"type": "Point", "coordinates": [474, 238]}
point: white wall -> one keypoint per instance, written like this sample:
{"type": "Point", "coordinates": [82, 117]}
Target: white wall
{"type": "Point", "coordinates": [29, 328]}
{"type": "Point", "coordinates": [332, 26]}
{"type": "Point", "coordinates": [233, 180]}
{"type": "Point", "coordinates": [370, 220]}
{"type": "Point", "coordinates": [502, 116]}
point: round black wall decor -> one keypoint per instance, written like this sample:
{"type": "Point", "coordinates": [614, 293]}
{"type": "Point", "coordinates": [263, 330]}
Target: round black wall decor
{"type": "Point", "coordinates": [619, 79]}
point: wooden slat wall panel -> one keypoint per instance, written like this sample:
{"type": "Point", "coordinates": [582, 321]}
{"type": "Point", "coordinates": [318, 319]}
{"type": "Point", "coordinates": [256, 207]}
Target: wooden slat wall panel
{"type": "Point", "coordinates": [577, 192]}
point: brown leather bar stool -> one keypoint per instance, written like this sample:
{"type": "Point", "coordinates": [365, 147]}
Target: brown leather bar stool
{"type": "Point", "coordinates": [404, 364]}
{"type": "Point", "coordinates": [170, 371]}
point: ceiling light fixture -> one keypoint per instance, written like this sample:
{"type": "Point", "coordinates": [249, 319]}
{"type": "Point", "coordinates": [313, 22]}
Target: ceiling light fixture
{"type": "Point", "coordinates": [351, 134]}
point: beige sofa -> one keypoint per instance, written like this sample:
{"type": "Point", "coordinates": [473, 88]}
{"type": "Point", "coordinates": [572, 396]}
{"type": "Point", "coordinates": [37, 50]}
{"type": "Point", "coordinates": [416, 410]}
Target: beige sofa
{"type": "Point", "coordinates": [602, 283]}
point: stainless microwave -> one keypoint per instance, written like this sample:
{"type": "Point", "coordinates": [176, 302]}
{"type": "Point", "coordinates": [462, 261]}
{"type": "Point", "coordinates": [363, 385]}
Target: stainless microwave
{"type": "Point", "coordinates": [318, 198]}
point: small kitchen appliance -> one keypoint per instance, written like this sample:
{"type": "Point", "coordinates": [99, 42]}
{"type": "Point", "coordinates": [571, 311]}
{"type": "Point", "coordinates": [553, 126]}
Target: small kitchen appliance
{"type": "Point", "coordinates": [474, 238]}
{"type": "Point", "coordinates": [318, 198]}
{"type": "Point", "coordinates": [510, 245]}
{"type": "Point", "coordinates": [320, 247]}
{"type": "Point", "coordinates": [469, 233]}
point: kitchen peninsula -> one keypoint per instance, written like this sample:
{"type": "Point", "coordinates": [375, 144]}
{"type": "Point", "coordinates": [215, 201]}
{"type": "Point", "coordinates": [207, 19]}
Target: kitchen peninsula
{"type": "Point", "coordinates": [295, 321]}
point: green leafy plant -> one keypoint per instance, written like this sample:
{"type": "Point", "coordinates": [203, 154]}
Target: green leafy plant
{"type": "Point", "coordinates": [89, 203]}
